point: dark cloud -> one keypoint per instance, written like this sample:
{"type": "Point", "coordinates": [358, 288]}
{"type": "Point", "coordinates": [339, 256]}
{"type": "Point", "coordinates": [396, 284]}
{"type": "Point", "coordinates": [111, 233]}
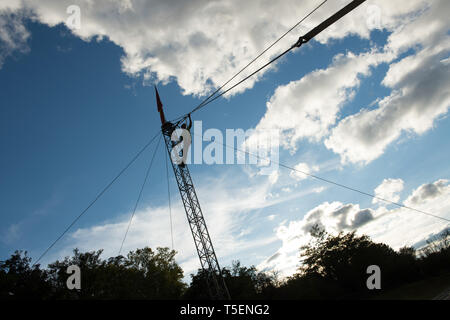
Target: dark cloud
{"type": "Point", "coordinates": [428, 191]}
{"type": "Point", "coordinates": [311, 219]}
{"type": "Point", "coordinates": [343, 210]}
{"type": "Point", "coordinates": [361, 218]}
{"type": "Point", "coordinates": [345, 217]}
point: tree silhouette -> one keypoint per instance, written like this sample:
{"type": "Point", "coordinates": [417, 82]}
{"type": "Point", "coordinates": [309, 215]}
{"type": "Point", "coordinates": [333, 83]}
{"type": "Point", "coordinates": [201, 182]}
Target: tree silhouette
{"type": "Point", "coordinates": [18, 279]}
{"type": "Point", "coordinates": [331, 267]}
{"type": "Point", "coordinates": [143, 274]}
{"type": "Point", "coordinates": [242, 282]}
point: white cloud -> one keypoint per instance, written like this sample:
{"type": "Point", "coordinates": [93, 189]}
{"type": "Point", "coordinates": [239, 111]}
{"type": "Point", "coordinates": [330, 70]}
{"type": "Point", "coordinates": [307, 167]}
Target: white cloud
{"type": "Point", "coordinates": [12, 234]}
{"type": "Point", "coordinates": [230, 214]}
{"type": "Point", "coordinates": [397, 227]}
{"type": "Point", "coordinates": [420, 96]}
{"type": "Point", "coordinates": [420, 90]}
{"type": "Point", "coordinates": [400, 227]}
{"type": "Point", "coordinates": [13, 34]}
{"type": "Point", "coordinates": [309, 107]}
{"type": "Point", "coordinates": [11, 5]}
{"type": "Point", "coordinates": [227, 216]}
{"type": "Point", "coordinates": [287, 189]}
{"type": "Point", "coordinates": [319, 189]}
{"type": "Point", "coordinates": [334, 217]}
{"type": "Point", "coordinates": [303, 169]}
{"type": "Point", "coordinates": [389, 190]}
{"type": "Point", "coordinates": [201, 43]}
{"type": "Point", "coordinates": [274, 176]}
{"type": "Point", "coordinates": [428, 192]}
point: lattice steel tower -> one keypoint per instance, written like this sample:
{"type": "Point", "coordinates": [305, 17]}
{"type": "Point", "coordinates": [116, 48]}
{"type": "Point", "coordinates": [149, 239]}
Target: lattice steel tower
{"type": "Point", "coordinates": [208, 259]}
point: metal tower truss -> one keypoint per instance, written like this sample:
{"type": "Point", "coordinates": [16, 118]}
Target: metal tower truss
{"type": "Point", "coordinates": [208, 259]}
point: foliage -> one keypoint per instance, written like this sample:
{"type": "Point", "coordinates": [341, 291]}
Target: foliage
{"type": "Point", "coordinates": [335, 267]}
{"type": "Point", "coordinates": [143, 274]}
{"type": "Point", "coordinates": [19, 279]}
{"type": "Point", "coordinates": [332, 267]}
{"type": "Point", "coordinates": [242, 282]}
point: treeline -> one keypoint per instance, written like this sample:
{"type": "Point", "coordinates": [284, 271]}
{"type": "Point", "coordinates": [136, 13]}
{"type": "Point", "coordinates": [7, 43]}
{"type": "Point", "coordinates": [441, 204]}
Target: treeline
{"type": "Point", "coordinates": [332, 267]}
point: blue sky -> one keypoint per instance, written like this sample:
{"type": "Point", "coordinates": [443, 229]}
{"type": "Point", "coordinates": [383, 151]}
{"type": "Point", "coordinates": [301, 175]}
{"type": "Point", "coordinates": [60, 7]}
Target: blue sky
{"type": "Point", "coordinates": [76, 108]}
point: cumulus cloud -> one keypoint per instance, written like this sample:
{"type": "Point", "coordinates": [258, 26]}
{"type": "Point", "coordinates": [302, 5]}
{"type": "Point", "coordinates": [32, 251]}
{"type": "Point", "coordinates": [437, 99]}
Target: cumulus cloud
{"type": "Point", "coordinates": [308, 108]}
{"type": "Point", "coordinates": [201, 43]}
{"type": "Point", "coordinates": [420, 94]}
{"type": "Point", "coordinates": [150, 228]}
{"type": "Point", "coordinates": [227, 216]}
{"type": "Point", "coordinates": [428, 192]}
{"type": "Point", "coordinates": [13, 33]}
{"type": "Point", "coordinates": [302, 170]}
{"type": "Point", "coordinates": [333, 217]}
{"type": "Point", "coordinates": [389, 190]}
{"type": "Point", "coordinates": [336, 217]}
{"type": "Point", "coordinates": [396, 227]}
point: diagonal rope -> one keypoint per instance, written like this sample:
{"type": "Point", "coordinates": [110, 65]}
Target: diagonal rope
{"type": "Point", "coordinates": [205, 101]}
{"type": "Point", "coordinates": [97, 197]}
{"type": "Point", "coordinates": [302, 40]}
{"type": "Point", "coordinates": [332, 182]}
{"type": "Point", "coordinates": [140, 193]}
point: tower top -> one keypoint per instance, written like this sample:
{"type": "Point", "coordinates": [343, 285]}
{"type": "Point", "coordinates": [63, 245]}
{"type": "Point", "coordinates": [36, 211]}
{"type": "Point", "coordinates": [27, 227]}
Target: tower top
{"type": "Point", "coordinates": [160, 107]}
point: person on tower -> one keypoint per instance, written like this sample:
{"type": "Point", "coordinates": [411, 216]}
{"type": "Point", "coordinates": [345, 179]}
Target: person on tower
{"type": "Point", "coordinates": [185, 126]}
{"type": "Point", "coordinates": [189, 126]}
